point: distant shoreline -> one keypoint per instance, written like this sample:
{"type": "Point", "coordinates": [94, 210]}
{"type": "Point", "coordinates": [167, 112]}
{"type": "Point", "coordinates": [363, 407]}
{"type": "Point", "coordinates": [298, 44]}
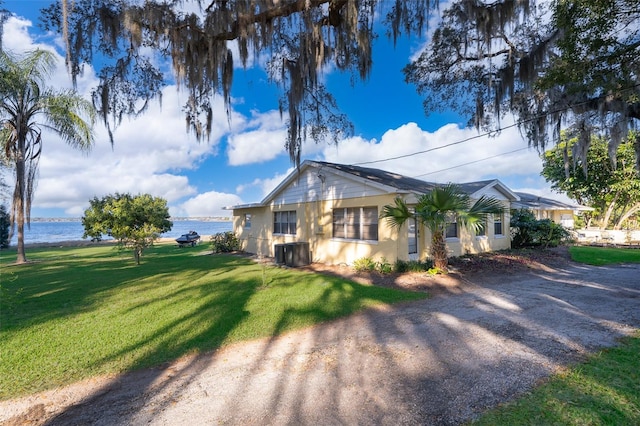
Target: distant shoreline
{"type": "Point", "coordinates": [52, 233]}
{"type": "Point", "coordinates": [176, 219]}
{"type": "Point", "coordinates": [88, 243]}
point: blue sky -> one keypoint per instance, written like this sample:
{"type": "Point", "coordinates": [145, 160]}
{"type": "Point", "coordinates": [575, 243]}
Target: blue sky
{"type": "Point", "coordinates": [245, 159]}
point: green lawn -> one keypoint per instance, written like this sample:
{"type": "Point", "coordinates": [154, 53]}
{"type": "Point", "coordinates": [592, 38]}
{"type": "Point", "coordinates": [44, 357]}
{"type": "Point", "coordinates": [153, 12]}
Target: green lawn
{"type": "Point", "coordinates": [604, 255]}
{"type": "Point", "coordinates": [603, 391]}
{"type": "Point", "coordinates": [78, 312]}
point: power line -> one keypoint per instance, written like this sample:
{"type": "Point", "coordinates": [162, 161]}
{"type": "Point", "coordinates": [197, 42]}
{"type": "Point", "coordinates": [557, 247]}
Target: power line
{"type": "Point", "coordinates": [471, 162]}
{"type": "Point", "coordinates": [500, 129]}
{"type": "Point", "coordinates": [430, 149]}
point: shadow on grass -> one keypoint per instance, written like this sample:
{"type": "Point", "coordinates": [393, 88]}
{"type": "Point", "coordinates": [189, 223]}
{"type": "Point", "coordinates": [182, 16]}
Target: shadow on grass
{"type": "Point", "coordinates": [65, 281]}
{"type": "Point", "coordinates": [101, 314]}
{"type": "Point", "coordinates": [443, 361]}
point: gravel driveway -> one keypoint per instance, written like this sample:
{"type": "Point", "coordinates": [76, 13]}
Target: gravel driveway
{"type": "Point", "coordinates": [443, 360]}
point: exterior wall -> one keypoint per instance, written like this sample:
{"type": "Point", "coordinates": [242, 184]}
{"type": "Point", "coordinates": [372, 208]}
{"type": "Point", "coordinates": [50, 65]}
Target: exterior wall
{"type": "Point", "coordinates": [313, 201]}
{"type": "Point", "coordinates": [562, 217]}
{"type": "Point", "coordinates": [329, 250]}
{"type": "Point", "coordinates": [315, 226]}
{"type": "Point", "coordinates": [254, 239]}
{"type": "Point", "coordinates": [316, 192]}
{"type": "Point", "coordinates": [469, 243]}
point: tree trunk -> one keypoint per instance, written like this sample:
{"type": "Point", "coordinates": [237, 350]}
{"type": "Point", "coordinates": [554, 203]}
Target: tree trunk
{"type": "Point", "coordinates": [627, 214]}
{"type": "Point", "coordinates": [607, 216]}
{"type": "Point", "coordinates": [439, 251]}
{"type": "Point", "coordinates": [18, 199]}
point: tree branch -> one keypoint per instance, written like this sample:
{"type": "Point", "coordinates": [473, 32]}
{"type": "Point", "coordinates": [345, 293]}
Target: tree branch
{"type": "Point", "coordinates": [279, 12]}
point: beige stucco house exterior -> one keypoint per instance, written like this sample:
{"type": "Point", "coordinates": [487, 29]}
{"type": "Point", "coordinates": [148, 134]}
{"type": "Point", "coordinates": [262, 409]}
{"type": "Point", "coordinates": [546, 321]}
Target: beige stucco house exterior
{"type": "Point", "coordinates": [547, 208]}
{"type": "Point", "coordinates": [335, 209]}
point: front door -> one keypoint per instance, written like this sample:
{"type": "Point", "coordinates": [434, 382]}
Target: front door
{"type": "Point", "coordinates": [412, 230]}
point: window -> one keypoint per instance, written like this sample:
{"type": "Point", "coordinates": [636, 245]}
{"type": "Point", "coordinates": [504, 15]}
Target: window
{"type": "Point", "coordinates": [412, 235]}
{"type": "Point", "coordinates": [482, 232]}
{"type": "Point", "coordinates": [358, 223]}
{"type": "Point", "coordinates": [451, 230]}
{"type": "Point", "coordinates": [497, 225]}
{"type": "Point", "coordinates": [284, 222]}
{"type": "Point", "coordinates": [247, 220]}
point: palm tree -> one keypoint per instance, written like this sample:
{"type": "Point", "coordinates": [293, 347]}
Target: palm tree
{"type": "Point", "coordinates": [436, 209]}
{"type": "Point", "coordinates": [27, 106]}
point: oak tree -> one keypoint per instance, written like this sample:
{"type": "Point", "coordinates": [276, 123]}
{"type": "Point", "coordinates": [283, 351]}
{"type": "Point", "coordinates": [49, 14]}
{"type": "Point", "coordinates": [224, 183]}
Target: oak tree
{"type": "Point", "coordinates": [553, 65]}
{"type": "Point", "coordinates": [299, 38]}
{"type": "Point", "coordinates": [608, 183]}
{"type": "Point", "coordinates": [135, 222]}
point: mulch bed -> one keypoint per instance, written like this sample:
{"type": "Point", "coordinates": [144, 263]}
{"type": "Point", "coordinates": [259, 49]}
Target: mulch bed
{"type": "Point", "coordinates": [463, 271]}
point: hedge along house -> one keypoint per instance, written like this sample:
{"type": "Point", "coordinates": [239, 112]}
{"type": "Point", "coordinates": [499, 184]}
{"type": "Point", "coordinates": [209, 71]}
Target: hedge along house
{"type": "Point", "coordinates": [335, 208]}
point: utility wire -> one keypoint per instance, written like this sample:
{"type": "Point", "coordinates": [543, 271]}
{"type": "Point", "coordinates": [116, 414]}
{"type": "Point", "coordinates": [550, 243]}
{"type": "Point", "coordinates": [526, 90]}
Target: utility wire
{"type": "Point", "coordinates": [500, 129]}
{"type": "Point", "coordinates": [431, 149]}
{"type": "Point", "coordinates": [471, 162]}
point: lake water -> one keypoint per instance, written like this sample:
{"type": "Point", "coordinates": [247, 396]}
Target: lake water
{"type": "Point", "coordinates": [53, 232]}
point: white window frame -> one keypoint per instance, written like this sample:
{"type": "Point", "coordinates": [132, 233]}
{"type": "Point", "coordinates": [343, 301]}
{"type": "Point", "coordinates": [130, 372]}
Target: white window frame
{"type": "Point", "coordinates": [356, 228]}
{"type": "Point", "coordinates": [452, 220]}
{"type": "Point", "coordinates": [482, 234]}
{"type": "Point", "coordinates": [498, 219]}
{"type": "Point", "coordinates": [290, 224]}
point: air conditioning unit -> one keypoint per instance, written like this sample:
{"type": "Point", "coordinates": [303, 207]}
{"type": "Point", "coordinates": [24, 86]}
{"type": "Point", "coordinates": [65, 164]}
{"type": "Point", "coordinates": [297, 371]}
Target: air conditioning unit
{"type": "Point", "coordinates": [295, 254]}
{"type": "Point", "coordinates": [278, 250]}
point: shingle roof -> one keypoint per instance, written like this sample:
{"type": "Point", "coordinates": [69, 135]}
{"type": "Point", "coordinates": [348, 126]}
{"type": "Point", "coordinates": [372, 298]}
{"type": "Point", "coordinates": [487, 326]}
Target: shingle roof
{"type": "Point", "coordinates": [532, 201]}
{"type": "Point", "coordinates": [383, 177]}
{"type": "Point", "coordinates": [471, 187]}
{"type": "Point", "coordinates": [400, 182]}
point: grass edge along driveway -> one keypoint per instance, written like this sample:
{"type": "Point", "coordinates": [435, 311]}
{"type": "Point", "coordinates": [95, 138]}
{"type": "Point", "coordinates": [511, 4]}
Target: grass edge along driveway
{"type": "Point", "coordinates": [75, 313]}
{"type": "Point", "coordinates": [605, 390]}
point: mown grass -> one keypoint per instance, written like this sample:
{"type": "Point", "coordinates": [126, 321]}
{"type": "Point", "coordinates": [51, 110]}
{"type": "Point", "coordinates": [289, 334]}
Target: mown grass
{"type": "Point", "coordinates": [600, 256]}
{"type": "Point", "coordinates": [603, 391]}
{"type": "Point", "coordinates": [74, 313]}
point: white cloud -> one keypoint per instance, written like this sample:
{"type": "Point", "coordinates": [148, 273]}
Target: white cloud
{"type": "Point", "coordinates": [208, 204]}
{"type": "Point", "coordinates": [260, 139]}
{"type": "Point", "coordinates": [265, 185]}
{"type": "Point", "coordinates": [426, 155]}
{"type": "Point", "coordinates": [16, 38]}
{"type": "Point", "coordinates": [148, 155]}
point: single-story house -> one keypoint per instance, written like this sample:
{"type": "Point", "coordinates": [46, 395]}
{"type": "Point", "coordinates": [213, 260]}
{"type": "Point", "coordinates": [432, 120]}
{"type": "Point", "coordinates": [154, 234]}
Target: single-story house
{"type": "Point", "coordinates": [333, 210]}
{"type": "Point", "coordinates": [547, 208]}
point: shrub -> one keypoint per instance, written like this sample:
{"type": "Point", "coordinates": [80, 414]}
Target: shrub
{"type": "Point", "coordinates": [225, 242]}
{"type": "Point", "coordinates": [436, 271]}
{"type": "Point", "coordinates": [364, 264]}
{"type": "Point", "coordinates": [550, 234]}
{"type": "Point", "coordinates": [384, 266]}
{"type": "Point", "coordinates": [523, 225]}
{"type": "Point", "coordinates": [5, 223]}
{"type": "Point", "coordinates": [526, 231]}
{"type": "Point", "coordinates": [402, 266]}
